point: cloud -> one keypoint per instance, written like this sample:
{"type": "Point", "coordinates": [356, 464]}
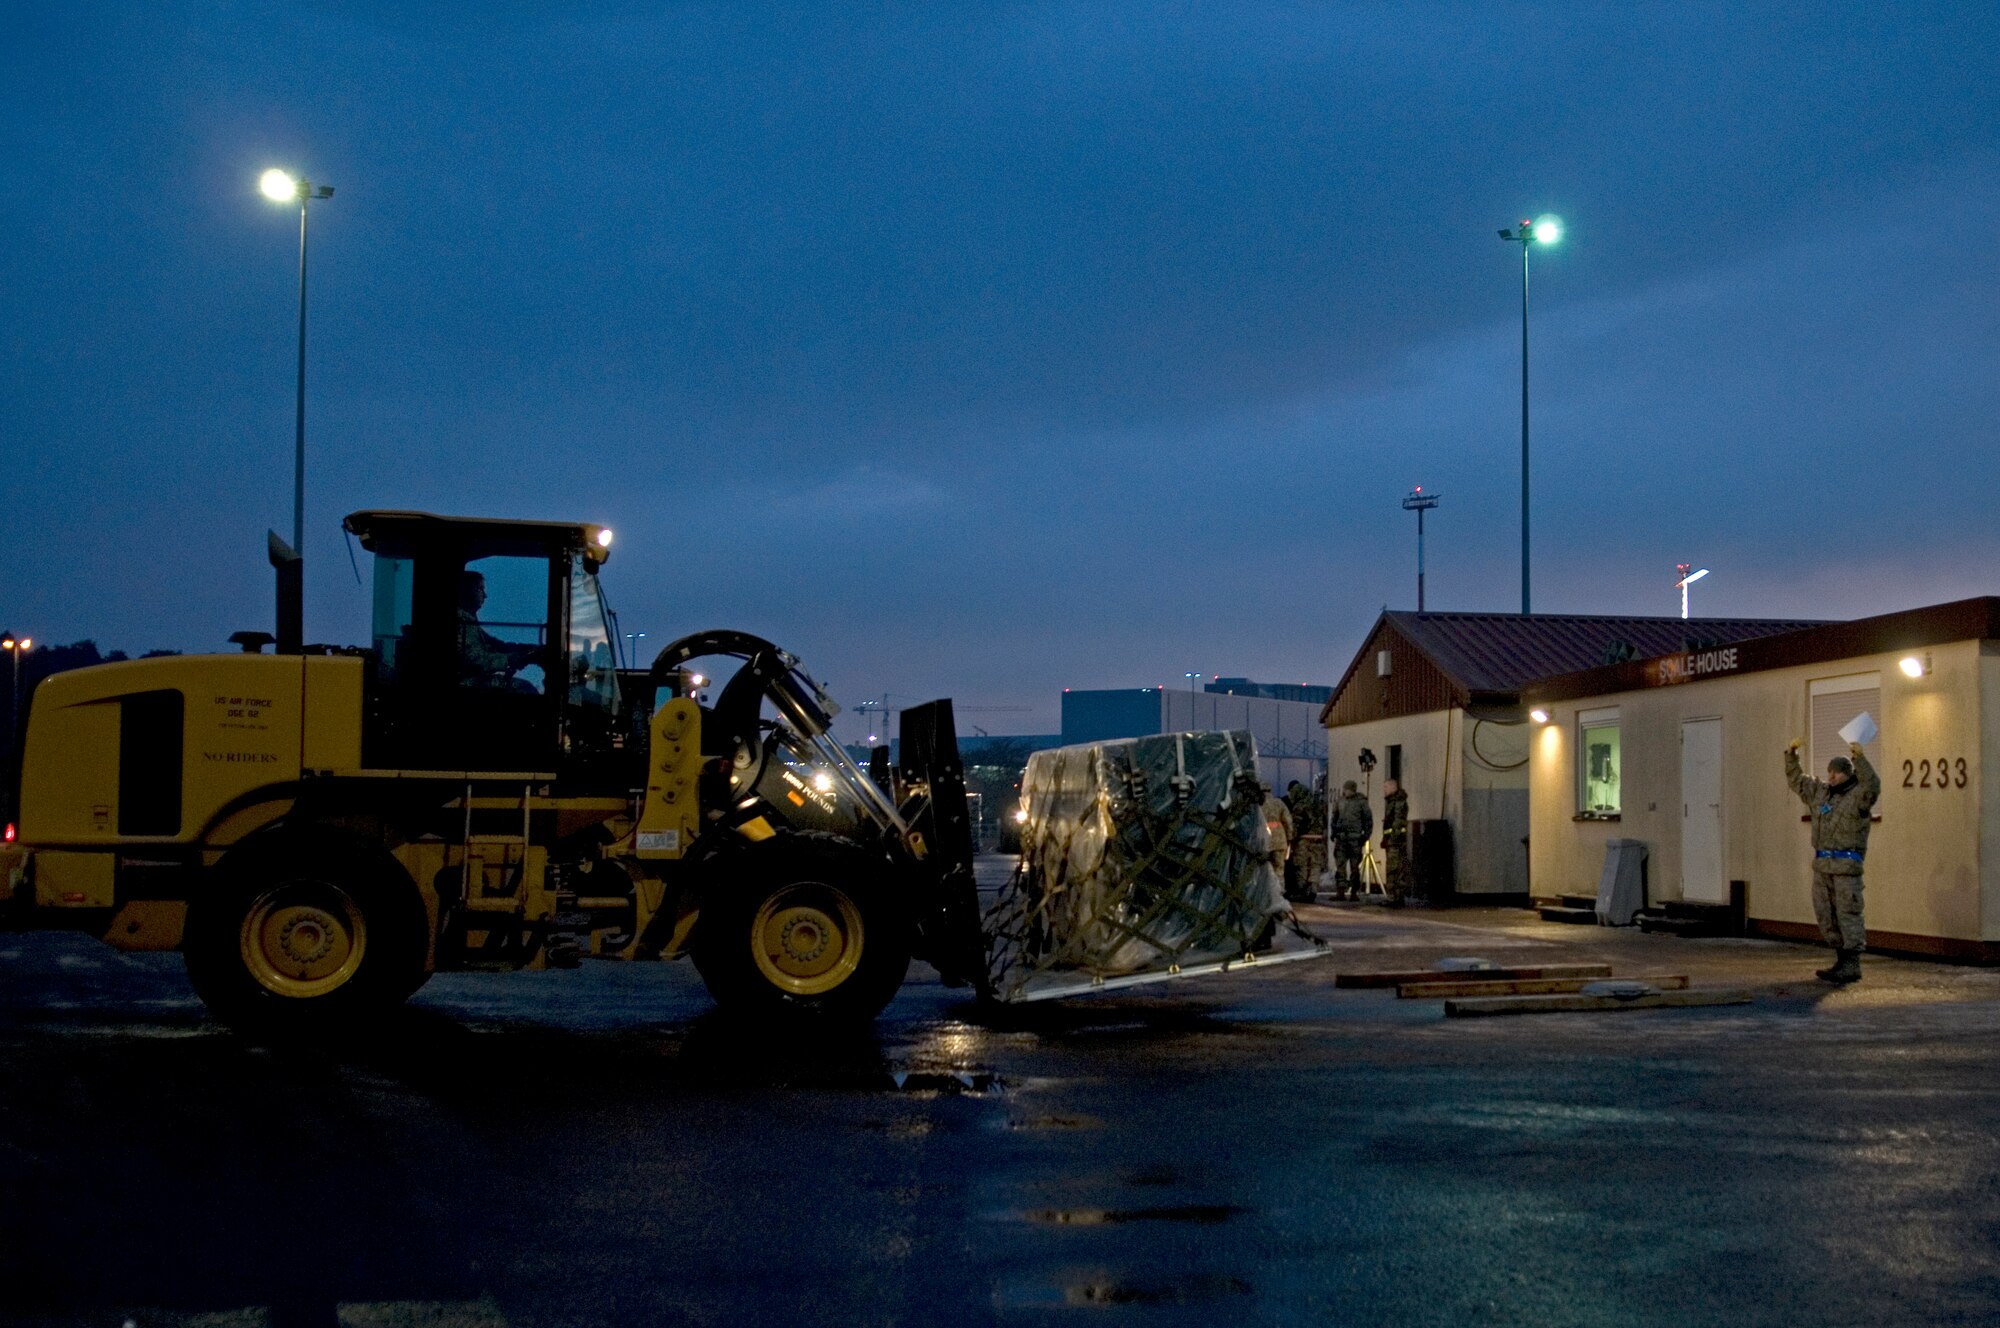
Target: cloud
{"type": "Point", "coordinates": [1049, 345]}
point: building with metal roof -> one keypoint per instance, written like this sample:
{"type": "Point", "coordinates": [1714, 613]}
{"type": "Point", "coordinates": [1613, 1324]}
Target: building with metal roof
{"type": "Point", "coordinates": [1682, 754]}
{"type": "Point", "coordinates": [1436, 698]}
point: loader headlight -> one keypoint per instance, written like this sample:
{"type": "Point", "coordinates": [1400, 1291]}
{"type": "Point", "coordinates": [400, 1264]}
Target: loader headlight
{"type": "Point", "coordinates": [823, 782]}
{"type": "Point", "coordinates": [604, 539]}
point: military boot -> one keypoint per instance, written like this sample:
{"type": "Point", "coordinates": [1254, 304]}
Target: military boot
{"type": "Point", "coordinates": [1846, 968]}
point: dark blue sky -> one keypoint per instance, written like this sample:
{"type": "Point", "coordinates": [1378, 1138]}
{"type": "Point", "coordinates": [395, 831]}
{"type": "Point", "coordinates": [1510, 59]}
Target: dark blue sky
{"type": "Point", "coordinates": [991, 352]}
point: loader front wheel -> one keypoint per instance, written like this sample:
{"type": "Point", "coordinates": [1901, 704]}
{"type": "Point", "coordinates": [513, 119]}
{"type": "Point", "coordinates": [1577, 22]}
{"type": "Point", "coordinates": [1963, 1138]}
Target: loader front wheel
{"type": "Point", "coordinates": [803, 931]}
{"type": "Point", "coordinates": [303, 931]}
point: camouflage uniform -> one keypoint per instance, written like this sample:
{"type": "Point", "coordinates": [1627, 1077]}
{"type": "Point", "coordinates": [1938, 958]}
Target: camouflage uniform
{"type": "Point", "coordinates": [1278, 820]}
{"type": "Point", "coordinates": [1308, 808]}
{"type": "Point", "coordinates": [1299, 802]}
{"type": "Point", "coordinates": [483, 658]}
{"type": "Point", "coordinates": [1353, 822]}
{"type": "Point", "coordinates": [1840, 839]}
{"type": "Point", "coordinates": [1396, 846]}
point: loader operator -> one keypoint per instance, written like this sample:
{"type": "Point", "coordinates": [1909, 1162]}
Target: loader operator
{"type": "Point", "coordinates": [1840, 809]}
{"type": "Point", "coordinates": [484, 660]}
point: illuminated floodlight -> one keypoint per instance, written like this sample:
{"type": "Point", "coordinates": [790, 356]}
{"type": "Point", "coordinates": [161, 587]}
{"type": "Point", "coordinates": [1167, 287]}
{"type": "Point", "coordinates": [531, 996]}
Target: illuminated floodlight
{"type": "Point", "coordinates": [604, 539]}
{"type": "Point", "coordinates": [279, 186]}
{"type": "Point", "coordinates": [1539, 715]}
{"type": "Point", "coordinates": [1913, 667]}
{"type": "Point", "coordinates": [1021, 816]}
{"type": "Point", "coordinates": [1548, 228]}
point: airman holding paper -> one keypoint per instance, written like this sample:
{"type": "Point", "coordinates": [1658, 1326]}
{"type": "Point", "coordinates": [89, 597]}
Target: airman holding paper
{"type": "Point", "coordinates": [1840, 807]}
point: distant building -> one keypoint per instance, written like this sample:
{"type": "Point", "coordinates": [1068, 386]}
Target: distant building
{"type": "Point", "coordinates": [1437, 697]}
{"type": "Point", "coordinates": [1274, 691]}
{"type": "Point", "coordinates": [1290, 743]}
{"type": "Point", "coordinates": [981, 747]}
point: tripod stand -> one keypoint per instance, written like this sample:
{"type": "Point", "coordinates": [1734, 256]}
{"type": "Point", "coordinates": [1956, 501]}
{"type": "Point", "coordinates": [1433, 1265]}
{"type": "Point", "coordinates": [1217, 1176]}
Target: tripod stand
{"type": "Point", "coordinates": [1371, 879]}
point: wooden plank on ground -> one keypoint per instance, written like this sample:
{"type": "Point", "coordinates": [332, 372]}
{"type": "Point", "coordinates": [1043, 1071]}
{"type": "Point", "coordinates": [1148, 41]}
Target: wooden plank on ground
{"type": "Point", "coordinates": [1560, 1004]}
{"type": "Point", "coordinates": [1476, 985]}
{"type": "Point", "coordinates": [1508, 974]}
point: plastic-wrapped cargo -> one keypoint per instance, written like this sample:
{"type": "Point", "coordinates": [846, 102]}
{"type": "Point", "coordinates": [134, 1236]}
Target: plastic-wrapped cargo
{"type": "Point", "coordinates": [1139, 857]}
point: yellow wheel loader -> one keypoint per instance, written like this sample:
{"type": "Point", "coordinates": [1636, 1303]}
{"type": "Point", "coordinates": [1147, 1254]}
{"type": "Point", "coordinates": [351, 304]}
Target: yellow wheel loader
{"type": "Point", "coordinates": [482, 787]}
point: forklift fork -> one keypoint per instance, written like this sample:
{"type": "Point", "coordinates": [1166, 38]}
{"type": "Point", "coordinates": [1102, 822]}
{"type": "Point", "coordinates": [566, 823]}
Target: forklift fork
{"type": "Point", "coordinates": [929, 780]}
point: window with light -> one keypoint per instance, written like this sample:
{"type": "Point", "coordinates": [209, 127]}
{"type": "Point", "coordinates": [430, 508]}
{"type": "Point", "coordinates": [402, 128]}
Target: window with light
{"type": "Point", "coordinates": [1598, 750]}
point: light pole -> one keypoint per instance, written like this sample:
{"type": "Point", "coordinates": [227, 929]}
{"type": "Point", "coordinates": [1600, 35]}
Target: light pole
{"type": "Point", "coordinates": [1421, 502]}
{"type": "Point", "coordinates": [1688, 578]}
{"type": "Point", "coordinates": [632, 640]}
{"type": "Point", "coordinates": [283, 187]}
{"type": "Point", "coordinates": [1546, 229]}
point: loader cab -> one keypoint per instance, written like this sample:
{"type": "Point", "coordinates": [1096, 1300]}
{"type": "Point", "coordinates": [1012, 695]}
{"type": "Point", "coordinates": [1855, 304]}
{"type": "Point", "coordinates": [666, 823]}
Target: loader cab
{"type": "Point", "coordinates": [492, 647]}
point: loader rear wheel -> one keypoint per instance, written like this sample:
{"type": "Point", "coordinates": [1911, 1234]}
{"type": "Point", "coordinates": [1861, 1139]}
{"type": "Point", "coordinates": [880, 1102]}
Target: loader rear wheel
{"type": "Point", "coordinates": [802, 929]}
{"type": "Point", "coordinates": [304, 930]}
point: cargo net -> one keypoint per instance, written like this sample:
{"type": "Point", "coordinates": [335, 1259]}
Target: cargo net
{"type": "Point", "coordinates": [1139, 856]}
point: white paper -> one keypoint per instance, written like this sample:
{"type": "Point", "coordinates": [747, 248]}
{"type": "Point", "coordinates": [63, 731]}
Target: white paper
{"type": "Point", "coordinates": [1861, 729]}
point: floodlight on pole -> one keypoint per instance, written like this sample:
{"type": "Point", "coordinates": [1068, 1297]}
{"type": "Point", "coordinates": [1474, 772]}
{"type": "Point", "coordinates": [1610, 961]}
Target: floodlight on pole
{"type": "Point", "coordinates": [1545, 229]}
{"type": "Point", "coordinates": [284, 187]}
{"type": "Point", "coordinates": [1688, 578]}
{"type": "Point", "coordinates": [1420, 503]}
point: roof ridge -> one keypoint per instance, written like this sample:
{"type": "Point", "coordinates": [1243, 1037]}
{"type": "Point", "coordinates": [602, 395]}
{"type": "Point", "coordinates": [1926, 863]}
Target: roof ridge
{"type": "Point", "coordinates": [1407, 614]}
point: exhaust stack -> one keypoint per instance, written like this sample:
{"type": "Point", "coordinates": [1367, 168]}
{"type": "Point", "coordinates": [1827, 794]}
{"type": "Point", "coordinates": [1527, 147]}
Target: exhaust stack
{"type": "Point", "coordinates": [291, 570]}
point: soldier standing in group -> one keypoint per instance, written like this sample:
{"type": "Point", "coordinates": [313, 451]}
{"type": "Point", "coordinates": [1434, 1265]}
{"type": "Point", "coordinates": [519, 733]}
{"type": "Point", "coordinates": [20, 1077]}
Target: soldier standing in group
{"type": "Point", "coordinates": [1295, 825]}
{"type": "Point", "coordinates": [1840, 809]}
{"type": "Point", "coordinates": [1308, 860]}
{"type": "Point", "coordinates": [1353, 822]}
{"type": "Point", "coordinates": [1395, 843]}
{"type": "Point", "coordinates": [1278, 820]}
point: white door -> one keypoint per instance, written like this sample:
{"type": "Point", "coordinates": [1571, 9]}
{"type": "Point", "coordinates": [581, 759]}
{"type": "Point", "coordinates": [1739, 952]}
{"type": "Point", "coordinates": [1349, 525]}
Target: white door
{"type": "Point", "coordinates": [1701, 812]}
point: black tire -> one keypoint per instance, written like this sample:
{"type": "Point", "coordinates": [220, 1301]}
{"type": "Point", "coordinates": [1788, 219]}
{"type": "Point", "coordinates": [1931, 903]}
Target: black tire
{"type": "Point", "coordinates": [304, 929]}
{"type": "Point", "coordinates": [802, 927]}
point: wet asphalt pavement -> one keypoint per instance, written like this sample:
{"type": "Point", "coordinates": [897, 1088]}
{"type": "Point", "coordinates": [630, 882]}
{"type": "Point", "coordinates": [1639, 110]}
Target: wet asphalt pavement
{"type": "Point", "coordinates": [598, 1147]}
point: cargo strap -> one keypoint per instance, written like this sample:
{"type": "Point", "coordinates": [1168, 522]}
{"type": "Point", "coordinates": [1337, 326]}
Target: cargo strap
{"type": "Point", "coordinates": [1188, 873]}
